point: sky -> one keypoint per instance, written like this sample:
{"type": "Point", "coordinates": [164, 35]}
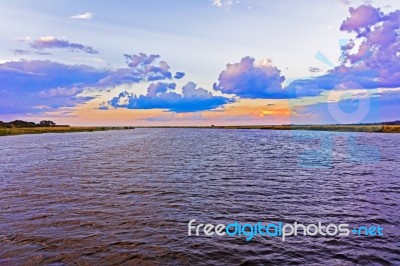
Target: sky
{"type": "Point", "coordinates": [200, 62]}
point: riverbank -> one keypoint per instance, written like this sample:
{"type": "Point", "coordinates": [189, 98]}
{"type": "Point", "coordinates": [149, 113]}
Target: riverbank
{"type": "Point", "coordinates": [40, 130]}
{"type": "Point", "coordinates": [340, 128]}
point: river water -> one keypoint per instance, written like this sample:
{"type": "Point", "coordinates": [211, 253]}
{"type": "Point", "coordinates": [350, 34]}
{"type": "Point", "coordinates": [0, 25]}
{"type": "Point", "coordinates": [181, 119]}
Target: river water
{"type": "Point", "coordinates": [126, 197]}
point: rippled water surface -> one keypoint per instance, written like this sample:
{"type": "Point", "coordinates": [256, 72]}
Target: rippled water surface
{"type": "Point", "coordinates": [125, 197]}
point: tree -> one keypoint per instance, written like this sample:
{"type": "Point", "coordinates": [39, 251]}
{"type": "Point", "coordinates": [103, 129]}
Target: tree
{"type": "Point", "coordinates": [20, 123]}
{"type": "Point", "coordinates": [47, 123]}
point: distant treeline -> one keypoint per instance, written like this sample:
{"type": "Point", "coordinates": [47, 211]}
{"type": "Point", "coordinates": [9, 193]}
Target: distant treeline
{"type": "Point", "coordinates": [21, 123]}
{"type": "Point", "coordinates": [392, 123]}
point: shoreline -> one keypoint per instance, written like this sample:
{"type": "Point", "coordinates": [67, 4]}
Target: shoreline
{"type": "Point", "coordinates": [41, 130]}
{"type": "Point", "coordinates": [333, 128]}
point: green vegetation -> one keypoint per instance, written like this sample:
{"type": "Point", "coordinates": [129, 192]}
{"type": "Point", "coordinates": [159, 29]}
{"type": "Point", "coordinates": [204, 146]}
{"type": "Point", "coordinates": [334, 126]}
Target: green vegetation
{"type": "Point", "coordinates": [19, 127]}
{"type": "Point", "coordinates": [342, 128]}
{"type": "Point", "coordinates": [25, 124]}
{"type": "Point", "coordinates": [39, 130]}
{"type": "Point", "coordinates": [4, 131]}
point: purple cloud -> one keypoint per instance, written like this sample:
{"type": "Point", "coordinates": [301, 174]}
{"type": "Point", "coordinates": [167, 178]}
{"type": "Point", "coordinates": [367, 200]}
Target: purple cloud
{"type": "Point", "coordinates": [50, 42]}
{"type": "Point", "coordinates": [30, 86]}
{"type": "Point", "coordinates": [378, 54]}
{"type": "Point", "coordinates": [141, 67]}
{"type": "Point", "coordinates": [163, 96]}
{"type": "Point", "coordinates": [379, 40]}
{"type": "Point", "coordinates": [140, 59]}
{"type": "Point", "coordinates": [160, 87]}
{"type": "Point", "coordinates": [250, 80]}
{"type": "Point", "coordinates": [374, 64]}
{"type": "Point", "coordinates": [361, 19]}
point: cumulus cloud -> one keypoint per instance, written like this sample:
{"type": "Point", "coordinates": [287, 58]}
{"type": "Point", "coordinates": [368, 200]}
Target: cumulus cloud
{"type": "Point", "coordinates": [147, 65]}
{"type": "Point", "coordinates": [51, 42]}
{"type": "Point", "coordinates": [141, 67]}
{"type": "Point", "coordinates": [140, 60]}
{"type": "Point", "coordinates": [86, 16]}
{"type": "Point", "coordinates": [248, 79]}
{"type": "Point", "coordinates": [361, 19]}
{"type": "Point", "coordinates": [375, 63]}
{"type": "Point", "coordinates": [163, 96]}
{"type": "Point", "coordinates": [36, 75]}
{"type": "Point", "coordinates": [26, 85]}
{"type": "Point", "coordinates": [160, 87]}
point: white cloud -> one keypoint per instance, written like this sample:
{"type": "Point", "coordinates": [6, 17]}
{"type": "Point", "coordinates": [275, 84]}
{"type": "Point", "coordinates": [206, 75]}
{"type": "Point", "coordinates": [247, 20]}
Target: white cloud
{"type": "Point", "coordinates": [86, 15]}
{"type": "Point", "coordinates": [2, 61]}
{"type": "Point", "coordinates": [345, 2]}
{"type": "Point", "coordinates": [22, 39]}
{"type": "Point", "coordinates": [224, 3]}
{"type": "Point", "coordinates": [60, 92]}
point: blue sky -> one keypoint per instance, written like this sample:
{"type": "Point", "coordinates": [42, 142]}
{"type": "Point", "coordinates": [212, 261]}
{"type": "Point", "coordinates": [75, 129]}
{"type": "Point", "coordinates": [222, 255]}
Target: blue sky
{"type": "Point", "coordinates": [198, 38]}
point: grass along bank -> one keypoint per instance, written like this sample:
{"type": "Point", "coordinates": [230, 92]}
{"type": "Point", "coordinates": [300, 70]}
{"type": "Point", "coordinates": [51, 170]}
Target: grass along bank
{"type": "Point", "coordinates": [39, 130]}
{"type": "Point", "coordinates": [340, 128]}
